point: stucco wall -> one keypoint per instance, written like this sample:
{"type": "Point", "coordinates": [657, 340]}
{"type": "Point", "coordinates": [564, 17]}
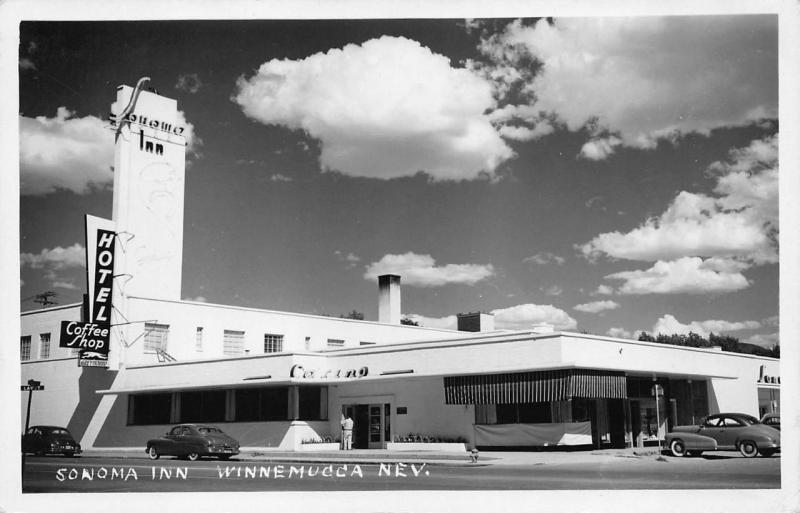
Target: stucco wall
{"type": "Point", "coordinates": [184, 318]}
{"type": "Point", "coordinates": [36, 322]}
{"type": "Point", "coordinates": [68, 399]}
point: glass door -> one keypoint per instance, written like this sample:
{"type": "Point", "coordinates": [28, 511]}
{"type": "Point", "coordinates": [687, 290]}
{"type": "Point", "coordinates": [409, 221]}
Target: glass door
{"type": "Point", "coordinates": [376, 426]}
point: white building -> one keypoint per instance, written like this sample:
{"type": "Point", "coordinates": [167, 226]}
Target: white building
{"type": "Point", "coordinates": [273, 379]}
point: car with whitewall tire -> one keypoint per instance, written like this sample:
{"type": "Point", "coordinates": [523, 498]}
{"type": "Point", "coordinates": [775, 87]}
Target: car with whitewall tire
{"type": "Point", "coordinates": [193, 441]}
{"type": "Point", "coordinates": [723, 432]}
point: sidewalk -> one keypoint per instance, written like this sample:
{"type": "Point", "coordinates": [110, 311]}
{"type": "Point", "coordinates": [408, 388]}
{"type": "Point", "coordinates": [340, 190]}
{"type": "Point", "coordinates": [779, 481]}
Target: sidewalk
{"type": "Point", "coordinates": [376, 456]}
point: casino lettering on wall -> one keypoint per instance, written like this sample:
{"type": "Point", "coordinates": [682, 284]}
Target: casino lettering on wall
{"type": "Point", "coordinates": [299, 372]}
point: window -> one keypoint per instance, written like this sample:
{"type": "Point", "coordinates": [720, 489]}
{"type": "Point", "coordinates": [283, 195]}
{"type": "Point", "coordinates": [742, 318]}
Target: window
{"type": "Point", "coordinates": [44, 346]}
{"type": "Point", "coordinates": [149, 408]}
{"type": "Point", "coordinates": [155, 337]}
{"type": "Point", "coordinates": [203, 406]}
{"type": "Point", "coordinates": [332, 342]}
{"type": "Point", "coordinates": [362, 343]}
{"type": "Point", "coordinates": [268, 403]}
{"type": "Point", "coordinates": [233, 343]}
{"type": "Point", "coordinates": [311, 403]}
{"type": "Point", "coordinates": [273, 343]}
{"type": "Point", "coordinates": [198, 339]}
{"type": "Point", "coordinates": [524, 413]}
{"type": "Point", "coordinates": [25, 348]}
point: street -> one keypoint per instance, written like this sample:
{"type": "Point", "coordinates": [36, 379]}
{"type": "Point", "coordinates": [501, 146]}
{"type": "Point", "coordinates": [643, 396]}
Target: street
{"type": "Point", "coordinates": [93, 474]}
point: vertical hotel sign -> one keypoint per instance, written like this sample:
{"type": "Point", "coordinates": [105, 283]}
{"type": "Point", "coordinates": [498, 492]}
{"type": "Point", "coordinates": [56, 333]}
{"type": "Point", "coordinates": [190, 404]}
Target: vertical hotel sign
{"type": "Point", "coordinates": [100, 242]}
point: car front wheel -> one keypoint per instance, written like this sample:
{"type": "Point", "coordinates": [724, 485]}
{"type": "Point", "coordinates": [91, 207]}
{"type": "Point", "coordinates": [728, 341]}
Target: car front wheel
{"type": "Point", "coordinates": [748, 448]}
{"type": "Point", "coordinates": [678, 448]}
{"type": "Point", "coordinates": [152, 453]}
{"type": "Point", "coordinates": [192, 456]}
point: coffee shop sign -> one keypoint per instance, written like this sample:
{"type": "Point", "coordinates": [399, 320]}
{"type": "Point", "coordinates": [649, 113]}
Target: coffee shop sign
{"type": "Point", "coordinates": [298, 371]}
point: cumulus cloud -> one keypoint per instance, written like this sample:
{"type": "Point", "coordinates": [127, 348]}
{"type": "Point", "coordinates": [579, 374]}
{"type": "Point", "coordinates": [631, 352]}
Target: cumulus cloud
{"type": "Point", "coordinates": [448, 322]}
{"type": "Point", "coordinates": [603, 290]}
{"type": "Point", "coordinates": [521, 317]}
{"type": "Point", "coordinates": [422, 271]}
{"type": "Point", "coordinates": [689, 275]}
{"type": "Point", "coordinates": [56, 258]}
{"type": "Point", "coordinates": [64, 152]}
{"type": "Point", "coordinates": [65, 285]}
{"type": "Point", "coordinates": [619, 333]}
{"type": "Point", "coordinates": [72, 153]}
{"type": "Point", "coordinates": [669, 325]}
{"type": "Point", "coordinates": [642, 78]}
{"type": "Point", "coordinates": [596, 306]}
{"type": "Point", "coordinates": [384, 109]}
{"type": "Point", "coordinates": [544, 258]}
{"type": "Point", "coordinates": [599, 148]}
{"type": "Point", "coordinates": [553, 290]}
{"type": "Point", "coordinates": [55, 263]}
{"type": "Point", "coordinates": [767, 340]}
{"type": "Point", "coordinates": [739, 224]}
{"type": "Point", "coordinates": [189, 82]}
{"type": "Point", "coordinates": [350, 259]}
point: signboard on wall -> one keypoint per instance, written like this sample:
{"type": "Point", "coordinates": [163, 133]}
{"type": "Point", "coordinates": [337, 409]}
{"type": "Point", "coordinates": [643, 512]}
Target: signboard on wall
{"type": "Point", "coordinates": [93, 337]}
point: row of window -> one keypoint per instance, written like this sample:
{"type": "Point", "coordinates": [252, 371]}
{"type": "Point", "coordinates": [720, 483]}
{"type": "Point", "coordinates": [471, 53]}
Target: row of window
{"type": "Point", "coordinates": [44, 347]}
{"type": "Point", "coordinates": [238, 405]}
{"type": "Point", "coordinates": [156, 338]}
{"type": "Point", "coordinates": [157, 335]}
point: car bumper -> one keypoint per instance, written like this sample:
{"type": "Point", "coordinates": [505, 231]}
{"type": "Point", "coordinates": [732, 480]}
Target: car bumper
{"type": "Point", "coordinates": [65, 450]}
{"type": "Point", "coordinates": [221, 452]}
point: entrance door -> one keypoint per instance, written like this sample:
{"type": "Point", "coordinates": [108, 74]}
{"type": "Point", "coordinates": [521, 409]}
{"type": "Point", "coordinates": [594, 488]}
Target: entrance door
{"type": "Point", "coordinates": [361, 426]}
{"type": "Point", "coordinates": [616, 422]}
{"type": "Point", "coordinates": [370, 424]}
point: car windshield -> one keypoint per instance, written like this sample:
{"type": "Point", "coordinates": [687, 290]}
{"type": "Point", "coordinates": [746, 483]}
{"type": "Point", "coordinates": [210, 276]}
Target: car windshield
{"type": "Point", "coordinates": [59, 431]}
{"type": "Point", "coordinates": [209, 430]}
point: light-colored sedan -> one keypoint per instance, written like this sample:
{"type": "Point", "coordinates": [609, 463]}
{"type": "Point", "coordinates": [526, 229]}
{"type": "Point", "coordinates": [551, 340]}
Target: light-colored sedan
{"type": "Point", "coordinates": [725, 431]}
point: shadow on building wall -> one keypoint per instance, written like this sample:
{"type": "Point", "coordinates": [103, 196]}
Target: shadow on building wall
{"type": "Point", "coordinates": [92, 379]}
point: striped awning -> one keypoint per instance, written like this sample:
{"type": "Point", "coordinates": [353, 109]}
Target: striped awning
{"type": "Point", "coordinates": [535, 386]}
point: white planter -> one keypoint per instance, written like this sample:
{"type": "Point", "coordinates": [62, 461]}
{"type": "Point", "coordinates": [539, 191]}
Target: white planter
{"type": "Point", "coordinates": [420, 446]}
{"type": "Point", "coordinates": [318, 447]}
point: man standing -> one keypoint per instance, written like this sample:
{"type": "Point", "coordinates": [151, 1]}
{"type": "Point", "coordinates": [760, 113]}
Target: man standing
{"type": "Point", "coordinates": [347, 432]}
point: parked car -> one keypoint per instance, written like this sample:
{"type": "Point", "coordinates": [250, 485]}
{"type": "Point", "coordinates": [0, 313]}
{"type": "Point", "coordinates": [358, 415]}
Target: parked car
{"type": "Point", "coordinates": [725, 431]}
{"type": "Point", "coordinates": [191, 441]}
{"type": "Point", "coordinates": [772, 420]}
{"type": "Point", "coordinates": [49, 440]}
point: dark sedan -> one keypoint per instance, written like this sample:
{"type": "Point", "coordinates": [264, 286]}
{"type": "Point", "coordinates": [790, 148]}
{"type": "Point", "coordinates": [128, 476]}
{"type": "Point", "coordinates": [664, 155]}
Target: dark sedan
{"type": "Point", "coordinates": [49, 440]}
{"type": "Point", "coordinates": [725, 431]}
{"type": "Point", "coordinates": [191, 441]}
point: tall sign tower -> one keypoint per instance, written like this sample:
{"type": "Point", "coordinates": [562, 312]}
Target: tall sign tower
{"type": "Point", "coordinates": [149, 169]}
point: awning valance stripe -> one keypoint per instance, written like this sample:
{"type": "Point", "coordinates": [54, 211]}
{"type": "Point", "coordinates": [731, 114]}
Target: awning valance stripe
{"type": "Point", "coordinates": [535, 386]}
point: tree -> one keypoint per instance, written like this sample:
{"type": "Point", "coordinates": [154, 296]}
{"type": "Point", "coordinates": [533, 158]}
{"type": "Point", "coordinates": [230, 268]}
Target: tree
{"type": "Point", "coordinates": [646, 337]}
{"type": "Point", "coordinates": [408, 321]}
{"type": "Point", "coordinates": [355, 314]}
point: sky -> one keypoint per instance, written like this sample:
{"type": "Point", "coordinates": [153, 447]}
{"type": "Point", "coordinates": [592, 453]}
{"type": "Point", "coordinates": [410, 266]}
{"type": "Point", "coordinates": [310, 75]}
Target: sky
{"type": "Point", "coordinates": [604, 175]}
